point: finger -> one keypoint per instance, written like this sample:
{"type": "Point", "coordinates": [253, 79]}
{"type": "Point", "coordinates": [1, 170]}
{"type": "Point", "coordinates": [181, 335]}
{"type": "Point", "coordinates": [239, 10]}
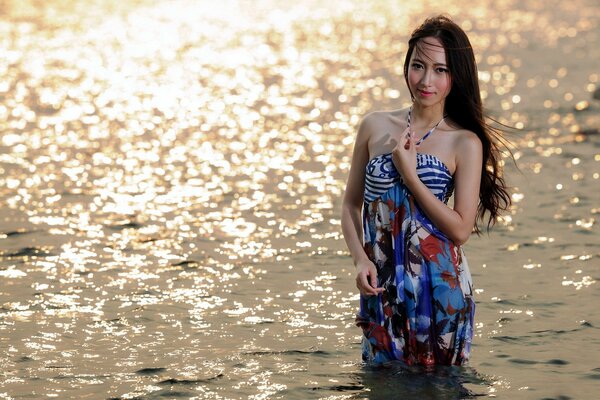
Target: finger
{"type": "Point", "coordinates": [365, 282]}
{"type": "Point", "coordinates": [364, 290]}
{"type": "Point", "coordinates": [370, 291]}
{"type": "Point", "coordinates": [373, 280]}
{"type": "Point", "coordinates": [374, 292]}
{"type": "Point", "coordinates": [367, 292]}
{"type": "Point", "coordinates": [374, 287]}
{"type": "Point", "coordinates": [366, 287]}
{"type": "Point", "coordinates": [412, 142]}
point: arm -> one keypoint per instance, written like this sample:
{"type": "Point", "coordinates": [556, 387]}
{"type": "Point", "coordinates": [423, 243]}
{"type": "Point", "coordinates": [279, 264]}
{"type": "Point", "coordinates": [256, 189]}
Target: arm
{"type": "Point", "coordinates": [457, 223]}
{"type": "Point", "coordinates": [366, 279]}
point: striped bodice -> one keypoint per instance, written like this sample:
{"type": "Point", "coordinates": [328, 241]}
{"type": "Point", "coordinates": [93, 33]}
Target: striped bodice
{"type": "Point", "coordinates": [381, 175]}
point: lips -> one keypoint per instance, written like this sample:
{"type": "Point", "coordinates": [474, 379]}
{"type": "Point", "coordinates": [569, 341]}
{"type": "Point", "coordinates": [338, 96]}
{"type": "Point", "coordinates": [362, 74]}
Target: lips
{"type": "Point", "coordinates": [425, 93]}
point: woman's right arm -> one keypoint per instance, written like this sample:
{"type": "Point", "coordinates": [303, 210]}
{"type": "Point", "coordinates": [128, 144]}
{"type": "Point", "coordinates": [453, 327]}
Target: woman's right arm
{"type": "Point", "coordinates": [366, 278]}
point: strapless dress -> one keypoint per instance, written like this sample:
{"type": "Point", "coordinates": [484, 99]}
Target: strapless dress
{"type": "Point", "coordinates": [425, 315]}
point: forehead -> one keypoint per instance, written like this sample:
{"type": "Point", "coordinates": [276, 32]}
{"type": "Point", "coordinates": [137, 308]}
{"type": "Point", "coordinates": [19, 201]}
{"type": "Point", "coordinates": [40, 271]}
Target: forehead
{"type": "Point", "coordinates": [430, 49]}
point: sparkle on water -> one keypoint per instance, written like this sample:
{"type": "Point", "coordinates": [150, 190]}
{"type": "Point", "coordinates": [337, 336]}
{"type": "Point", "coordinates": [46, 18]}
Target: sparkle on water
{"type": "Point", "coordinates": [171, 176]}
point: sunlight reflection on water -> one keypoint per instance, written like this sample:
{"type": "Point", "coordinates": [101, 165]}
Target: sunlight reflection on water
{"type": "Point", "coordinates": [171, 175]}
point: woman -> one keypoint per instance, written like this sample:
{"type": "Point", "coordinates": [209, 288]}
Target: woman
{"type": "Point", "coordinates": [416, 290]}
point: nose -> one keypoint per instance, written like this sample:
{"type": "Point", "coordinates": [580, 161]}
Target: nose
{"type": "Point", "coordinates": [426, 77]}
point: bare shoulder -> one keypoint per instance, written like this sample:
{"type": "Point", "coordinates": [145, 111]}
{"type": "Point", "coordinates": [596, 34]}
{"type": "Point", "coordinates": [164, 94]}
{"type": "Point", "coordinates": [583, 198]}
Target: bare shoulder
{"type": "Point", "coordinates": [375, 118]}
{"type": "Point", "coordinates": [377, 122]}
{"type": "Point", "coordinates": [467, 140]}
{"type": "Point", "coordinates": [468, 149]}
{"type": "Point", "coordinates": [369, 124]}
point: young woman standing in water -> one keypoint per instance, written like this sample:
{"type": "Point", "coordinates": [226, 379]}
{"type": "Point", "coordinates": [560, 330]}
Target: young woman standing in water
{"type": "Point", "coordinates": [416, 291]}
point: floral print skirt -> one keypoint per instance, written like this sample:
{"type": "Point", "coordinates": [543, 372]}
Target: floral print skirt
{"type": "Point", "coordinates": [425, 314]}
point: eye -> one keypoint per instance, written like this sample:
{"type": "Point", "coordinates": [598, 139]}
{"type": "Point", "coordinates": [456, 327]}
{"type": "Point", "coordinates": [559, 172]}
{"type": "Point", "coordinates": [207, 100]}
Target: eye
{"type": "Point", "coordinates": [417, 65]}
{"type": "Point", "coordinates": [442, 70]}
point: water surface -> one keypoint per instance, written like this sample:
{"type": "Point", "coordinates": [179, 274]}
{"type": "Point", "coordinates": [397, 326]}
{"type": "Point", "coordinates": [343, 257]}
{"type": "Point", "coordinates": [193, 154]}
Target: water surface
{"type": "Point", "coordinates": [171, 176]}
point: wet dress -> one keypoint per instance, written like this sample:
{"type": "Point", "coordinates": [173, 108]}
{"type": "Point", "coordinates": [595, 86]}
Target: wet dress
{"type": "Point", "coordinates": [425, 314]}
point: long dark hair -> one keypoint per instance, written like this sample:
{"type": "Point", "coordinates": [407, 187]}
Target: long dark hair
{"type": "Point", "coordinates": [463, 106]}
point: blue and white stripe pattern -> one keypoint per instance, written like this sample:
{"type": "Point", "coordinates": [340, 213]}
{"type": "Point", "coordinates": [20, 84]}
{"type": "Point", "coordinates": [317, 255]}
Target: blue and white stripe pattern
{"type": "Point", "coordinates": [381, 175]}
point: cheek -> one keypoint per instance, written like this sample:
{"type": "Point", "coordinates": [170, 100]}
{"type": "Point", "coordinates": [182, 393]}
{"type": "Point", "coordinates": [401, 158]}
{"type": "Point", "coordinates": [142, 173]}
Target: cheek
{"type": "Point", "coordinates": [413, 78]}
{"type": "Point", "coordinates": [446, 84]}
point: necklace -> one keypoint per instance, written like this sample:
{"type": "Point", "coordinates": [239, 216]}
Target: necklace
{"type": "Point", "coordinates": [428, 133]}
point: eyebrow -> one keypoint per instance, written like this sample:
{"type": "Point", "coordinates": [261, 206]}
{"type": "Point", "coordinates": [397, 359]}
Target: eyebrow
{"type": "Point", "coordinates": [435, 64]}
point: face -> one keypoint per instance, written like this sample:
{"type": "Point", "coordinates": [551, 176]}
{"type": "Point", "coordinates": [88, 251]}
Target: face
{"type": "Point", "coordinates": [428, 75]}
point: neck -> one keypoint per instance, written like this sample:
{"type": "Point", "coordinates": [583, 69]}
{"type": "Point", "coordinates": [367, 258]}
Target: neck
{"type": "Point", "coordinates": [427, 116]}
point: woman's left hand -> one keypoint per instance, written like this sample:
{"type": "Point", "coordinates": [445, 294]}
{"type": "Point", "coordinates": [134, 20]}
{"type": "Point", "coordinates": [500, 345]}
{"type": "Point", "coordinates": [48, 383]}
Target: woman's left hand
{"type": "Point", "coordinates": [404, 156]}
